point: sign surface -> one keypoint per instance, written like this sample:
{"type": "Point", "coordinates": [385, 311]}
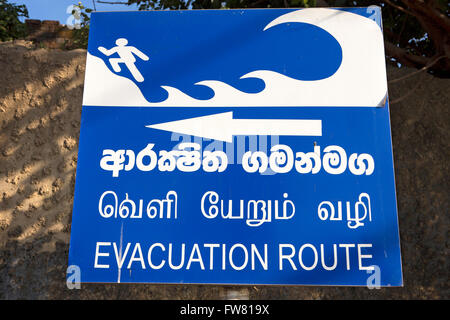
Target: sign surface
{"type": "Point", "coordinates": [236, 147]}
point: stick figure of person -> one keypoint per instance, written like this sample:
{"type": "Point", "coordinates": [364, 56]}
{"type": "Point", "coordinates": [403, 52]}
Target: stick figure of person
{"type": "Point", "coordinates": [126, 54]}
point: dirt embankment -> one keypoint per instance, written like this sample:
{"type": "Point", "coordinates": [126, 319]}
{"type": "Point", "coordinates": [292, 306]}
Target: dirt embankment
{"type": "Point", "coordinates": [40, 108]}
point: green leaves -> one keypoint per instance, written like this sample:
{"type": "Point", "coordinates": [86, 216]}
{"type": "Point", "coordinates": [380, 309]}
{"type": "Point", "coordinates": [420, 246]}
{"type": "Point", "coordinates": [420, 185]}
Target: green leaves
{"type": "Point", "coordinates": [303, 3]}
{"type": "Point", "coordinates": [81, 34]}
{"type": "Point", "coordinates": [10, 25]}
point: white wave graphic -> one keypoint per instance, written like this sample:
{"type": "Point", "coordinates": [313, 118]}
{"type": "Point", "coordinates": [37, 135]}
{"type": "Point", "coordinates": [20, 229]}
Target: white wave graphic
{"type": "Point", "coordinates": [359, 81]}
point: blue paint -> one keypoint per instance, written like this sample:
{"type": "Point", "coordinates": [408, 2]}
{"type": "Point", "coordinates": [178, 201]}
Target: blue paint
{"type": "Point", "coordinates": [186, 47]}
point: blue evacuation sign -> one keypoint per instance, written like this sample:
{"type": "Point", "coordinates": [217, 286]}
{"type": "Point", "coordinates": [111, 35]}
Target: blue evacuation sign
{"type": "Point", "coordinates": [236, 147]}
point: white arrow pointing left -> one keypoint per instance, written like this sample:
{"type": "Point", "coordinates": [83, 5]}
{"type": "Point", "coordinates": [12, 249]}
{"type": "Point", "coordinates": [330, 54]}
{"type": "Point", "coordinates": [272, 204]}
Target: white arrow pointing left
{"type": "Point", "coordinates": [223, 127]}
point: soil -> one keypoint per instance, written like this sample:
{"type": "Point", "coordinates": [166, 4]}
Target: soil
{"type": "Point", "coordinates": [40, 107]}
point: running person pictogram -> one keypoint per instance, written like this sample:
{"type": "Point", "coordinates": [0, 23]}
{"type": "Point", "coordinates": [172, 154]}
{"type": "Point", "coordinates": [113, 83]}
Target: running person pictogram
{"type": "Point", "coordinates": [126, 54]}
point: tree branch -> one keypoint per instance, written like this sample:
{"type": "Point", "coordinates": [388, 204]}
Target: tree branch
{"type": "Point", "coordinates": [399, 8]}
{"type": "Point", "coordinates": [428, 66]}
{"type": "Point", "coordinates": [112, 2]}
{"type": "Point", "coordinates": [404, 57]}
{"type": "Point", "coordinates": [428, 12]}
{"type": "Point", "coordinates": [411, 91]}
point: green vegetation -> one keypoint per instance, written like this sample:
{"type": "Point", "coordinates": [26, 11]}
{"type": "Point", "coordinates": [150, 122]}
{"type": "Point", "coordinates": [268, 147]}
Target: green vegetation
{"type": "Point", "coordinates": [10, 25]}
{"type": "Point", "coordinates": [81, 31]}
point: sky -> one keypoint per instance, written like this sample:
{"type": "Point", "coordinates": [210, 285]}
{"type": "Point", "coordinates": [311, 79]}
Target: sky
{"type": "Point", "coordinates": [57, 9]}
